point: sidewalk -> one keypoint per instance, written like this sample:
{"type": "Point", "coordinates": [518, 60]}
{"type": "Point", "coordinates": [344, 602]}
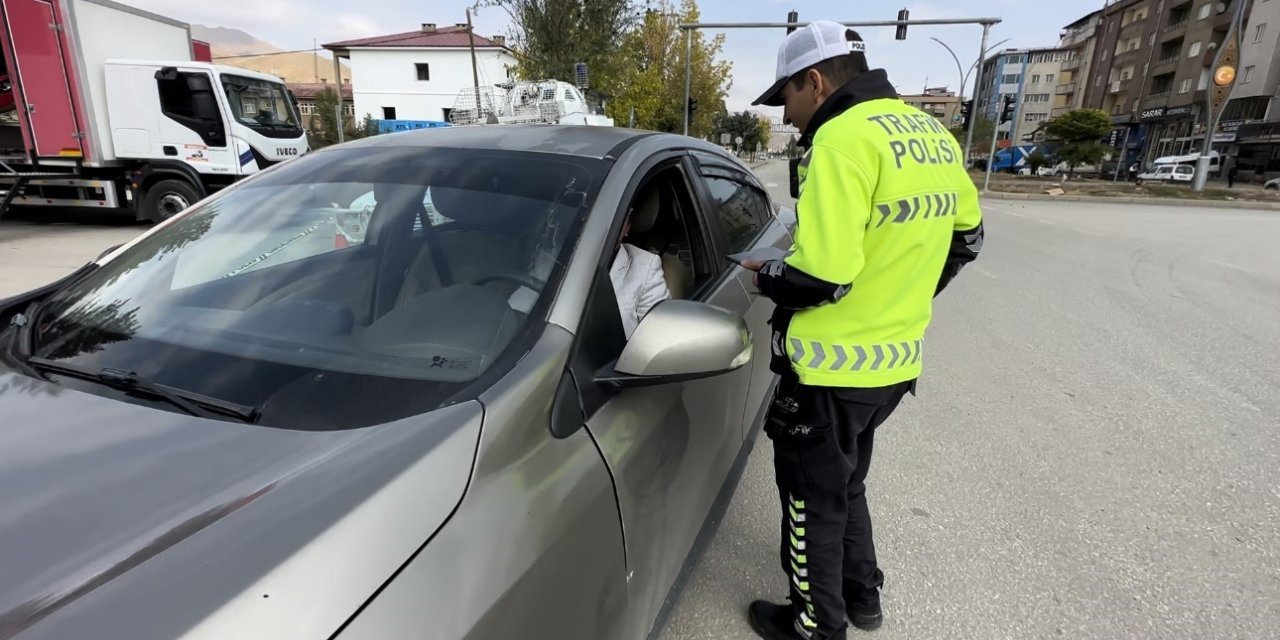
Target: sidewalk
{"type": "Point", "coordinates": [1164, 202]}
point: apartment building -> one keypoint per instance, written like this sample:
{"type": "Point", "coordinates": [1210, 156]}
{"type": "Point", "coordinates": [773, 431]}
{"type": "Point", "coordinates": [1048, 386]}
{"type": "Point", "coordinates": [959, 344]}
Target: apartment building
{"type": "Point", "coordinates": [1081, 39]}
{"type": "Point", "coordinates": [1152, 67]}
{"type": "Point", "coordinates": [1035, 76]}
{"type": "Point", "coordinates": [939, 102]}
{"type": "Point", "coordinates": [1250, 127]}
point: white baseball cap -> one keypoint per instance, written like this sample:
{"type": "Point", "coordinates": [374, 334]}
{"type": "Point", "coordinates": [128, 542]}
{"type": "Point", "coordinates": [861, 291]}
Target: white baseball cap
{"type": "Point", "coordinates": [817, 41]}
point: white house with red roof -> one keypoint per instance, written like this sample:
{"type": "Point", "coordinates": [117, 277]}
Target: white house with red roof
{"type": "Point", "coordinates": [418, 75]}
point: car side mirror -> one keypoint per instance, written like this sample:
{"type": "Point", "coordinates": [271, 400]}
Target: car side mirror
{"type": "Point", "coordinates": [681, 340]}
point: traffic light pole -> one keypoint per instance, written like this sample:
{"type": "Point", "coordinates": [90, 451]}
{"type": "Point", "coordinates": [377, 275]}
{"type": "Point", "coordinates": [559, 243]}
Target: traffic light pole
{"type": "Point", "coordinates": [688, 77]}
{"type": "Point", "coordinates": [995, 131]}
{"type": "Point", "coordinates": [973, 109]}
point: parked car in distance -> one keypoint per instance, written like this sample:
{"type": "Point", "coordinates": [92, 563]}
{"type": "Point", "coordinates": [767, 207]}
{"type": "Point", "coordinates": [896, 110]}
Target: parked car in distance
{"type": "Point", "coordinates": [1272, 185]}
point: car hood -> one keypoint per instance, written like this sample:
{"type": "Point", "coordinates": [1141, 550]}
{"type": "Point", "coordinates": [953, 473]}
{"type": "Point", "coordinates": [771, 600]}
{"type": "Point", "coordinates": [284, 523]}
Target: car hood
{"type": "Point", "coordinates": [119, 520]}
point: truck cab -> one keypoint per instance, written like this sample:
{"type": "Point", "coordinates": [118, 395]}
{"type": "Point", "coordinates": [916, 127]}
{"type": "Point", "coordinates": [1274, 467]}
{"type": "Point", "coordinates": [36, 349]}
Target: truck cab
{"type": "Point", "coordinates": [113, 111]}
{"type": "Point", "coordinates": [218, 121]}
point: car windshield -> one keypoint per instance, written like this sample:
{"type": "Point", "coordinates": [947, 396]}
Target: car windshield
{"type": "Point", "coordinates": [258, 103]}
{"type": "Point", "coordinates": [332, 292]}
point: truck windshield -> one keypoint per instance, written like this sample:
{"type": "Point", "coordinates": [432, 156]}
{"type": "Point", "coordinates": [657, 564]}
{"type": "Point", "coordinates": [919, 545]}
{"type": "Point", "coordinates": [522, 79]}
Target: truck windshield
{"type": "Point", "coordinates": [260, 104]}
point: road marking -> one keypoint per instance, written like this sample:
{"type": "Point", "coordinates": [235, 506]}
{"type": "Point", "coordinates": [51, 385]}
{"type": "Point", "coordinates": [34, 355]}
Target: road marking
{"type": "Point", "coordinates": [1231, 266]}
{"type": "Point", "coordinates": [985, 272]}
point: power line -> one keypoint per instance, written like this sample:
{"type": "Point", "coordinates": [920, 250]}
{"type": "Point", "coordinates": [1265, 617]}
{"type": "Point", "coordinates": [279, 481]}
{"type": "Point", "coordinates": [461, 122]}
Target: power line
{"type": "Point", "coordinates": [261, 55]}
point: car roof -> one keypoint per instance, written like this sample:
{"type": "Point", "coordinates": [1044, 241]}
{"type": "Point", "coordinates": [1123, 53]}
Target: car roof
{"type": "Point", "coordinates": [575, 140]}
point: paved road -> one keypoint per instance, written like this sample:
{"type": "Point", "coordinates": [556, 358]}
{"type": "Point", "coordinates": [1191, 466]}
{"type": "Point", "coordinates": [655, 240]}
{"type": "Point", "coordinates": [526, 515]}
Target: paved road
{"type": "Point", "coordinates": [1095, 452]}
{"type": "Point", "coordinates": [35, 253]}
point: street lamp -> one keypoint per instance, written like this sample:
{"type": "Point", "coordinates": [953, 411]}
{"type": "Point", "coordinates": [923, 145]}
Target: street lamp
{"type": "Point", "coordinates": [964, 75]}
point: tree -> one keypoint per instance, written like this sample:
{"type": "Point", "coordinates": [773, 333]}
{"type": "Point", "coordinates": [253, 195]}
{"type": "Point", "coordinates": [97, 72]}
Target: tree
{"type": "Point", "coordinates": [327, 119]}
{"type": "Point", "coordinates": [982, 131]}
{"type": "Point", "coordinates": [1036, 160]}
{"type": "Point", "coordinates": [548, 37]}
{"type": "Point", "coordinates": [753, 129]}
{"type": "Point", "coordinates": [1080, 131]}
{"type": "Point", "coordinates": [793, 148]}
{"type": "Point", "coordinates": [652, 79]}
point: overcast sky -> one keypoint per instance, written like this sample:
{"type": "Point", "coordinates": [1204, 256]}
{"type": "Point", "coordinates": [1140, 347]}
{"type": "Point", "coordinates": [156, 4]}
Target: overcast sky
{"type": "Point", "coordinates": [292, 24]}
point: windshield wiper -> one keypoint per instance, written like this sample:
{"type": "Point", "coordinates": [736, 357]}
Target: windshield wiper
{"type": "Point", "coordinates": [130, 382]}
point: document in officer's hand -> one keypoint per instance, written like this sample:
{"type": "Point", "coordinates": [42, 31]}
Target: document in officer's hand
{"type": "Point", "coordinates": [763, 254]}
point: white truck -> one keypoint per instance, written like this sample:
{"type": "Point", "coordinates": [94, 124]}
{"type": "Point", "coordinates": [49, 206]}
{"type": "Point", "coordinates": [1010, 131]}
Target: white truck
{"type": "Point", "coordinates": [525, 102]}
{"type": "Point", "coordinates": [108, 109]}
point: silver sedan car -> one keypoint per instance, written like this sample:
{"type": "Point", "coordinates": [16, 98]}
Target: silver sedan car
{"type": "Point", "coordinates": [309, 408]}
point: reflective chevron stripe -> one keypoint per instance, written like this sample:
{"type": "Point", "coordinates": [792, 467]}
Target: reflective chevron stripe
{"type": "Point", "coordinates": [935, 205]}
{"type": "Point", "coordinates": [795, 516]}
{"type": "Point", "coordinates": [812, 354]}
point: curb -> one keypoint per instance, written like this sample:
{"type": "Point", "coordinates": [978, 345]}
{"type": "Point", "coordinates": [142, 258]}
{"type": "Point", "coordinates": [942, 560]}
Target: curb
{"type": "Point", "coordinates": [1164, 202]}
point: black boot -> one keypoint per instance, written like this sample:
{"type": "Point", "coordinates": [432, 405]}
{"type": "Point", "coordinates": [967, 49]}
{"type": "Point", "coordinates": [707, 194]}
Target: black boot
{"type": "Point", "coordinates": [778, 622]}
{"type": "Point", "coordinates": [862, 605]}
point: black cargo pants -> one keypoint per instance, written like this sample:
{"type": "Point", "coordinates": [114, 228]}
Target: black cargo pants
{"type": "Point", "coordinates": [822, 440]}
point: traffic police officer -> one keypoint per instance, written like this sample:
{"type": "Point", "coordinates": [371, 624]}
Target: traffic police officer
{"type": "Point", "coordinates": [887, 216]}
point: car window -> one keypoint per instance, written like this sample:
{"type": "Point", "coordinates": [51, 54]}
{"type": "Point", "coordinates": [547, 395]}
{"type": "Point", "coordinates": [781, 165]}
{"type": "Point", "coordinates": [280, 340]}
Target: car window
{"type": "Point", "coordinates": [741, 210]}
{"type": "Point", "coordinates": [1186, 170]}
{"type": "Point", "coordinates": [257, 297]}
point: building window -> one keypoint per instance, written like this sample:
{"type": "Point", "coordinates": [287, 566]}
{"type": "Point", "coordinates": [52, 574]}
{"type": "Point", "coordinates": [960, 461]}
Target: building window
{"type": "Point", "coordinates": [1260, 33]}
{"type": "Point", "coordinates": [1035, 79]}
{"type": "Point", "coordinates": [388, 113]}
{"type": "Point", "coordinates": [1194, 50]}
{"type": "Point", "coordinates": [1185, 87]}
{"type": "Point", "coordinates": [424, 71]}
{"type": "Point", "coordinates": [307, 109]}
{"type": "Point", "coordinates": [1248, 74]}
{"type": "Point", "coordinates": [1204, 80]}
{"type": "Point", "coordinates": [1205, 11]}
{"type": "Point", "coordinates": [1097, 81]}
{"type": "Point", "coordinates": [1049, 78]}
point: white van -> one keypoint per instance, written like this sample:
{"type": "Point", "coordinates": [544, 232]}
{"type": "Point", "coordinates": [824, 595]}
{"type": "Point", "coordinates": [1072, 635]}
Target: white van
{"type": "Point", "coordinates": [1189, 160]}
{"type": "Point", "coordinates": [1168, 173]}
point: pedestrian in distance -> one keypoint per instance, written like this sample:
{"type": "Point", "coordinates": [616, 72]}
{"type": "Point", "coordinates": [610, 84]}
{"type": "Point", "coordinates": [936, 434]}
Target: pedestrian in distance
{"type": "Point", "coordinates": [887, 216]}
{"type": "Point", "coordinates": [1232, 174]}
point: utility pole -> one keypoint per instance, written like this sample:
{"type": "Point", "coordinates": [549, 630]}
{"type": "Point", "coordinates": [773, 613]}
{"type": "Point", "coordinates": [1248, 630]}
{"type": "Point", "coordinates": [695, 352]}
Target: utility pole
{"type": "Point", "coordinates": [315, 64]}
{"type": "Point", "coordinates": [475, 72]}
{"type": "Point", "coordinates": [688, 76]}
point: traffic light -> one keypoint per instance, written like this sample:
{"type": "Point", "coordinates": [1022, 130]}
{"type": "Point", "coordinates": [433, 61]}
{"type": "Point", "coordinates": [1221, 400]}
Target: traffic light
{"type": "Point", "coordinates": [692, 106]}
{"type": "Point", "coordinates": [1010, 105]}
{"type": "Point", "coordinates": [902, 28]}
{"type": "Point", "coordinates": [966, 113]}
{"type": "Point", "coordinates": [792, 17]}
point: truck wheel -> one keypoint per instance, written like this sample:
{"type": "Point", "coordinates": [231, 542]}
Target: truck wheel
{"type": "Point", "coordinates": [166, 198]}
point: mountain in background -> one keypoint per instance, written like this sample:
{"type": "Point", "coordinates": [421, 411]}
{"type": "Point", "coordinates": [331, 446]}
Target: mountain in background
{"type": "Point", "coordinates": [237, 48]}
{"type": "Point", "coordinates": [231, 42]}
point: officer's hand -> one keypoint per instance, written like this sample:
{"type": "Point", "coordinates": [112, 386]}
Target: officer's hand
{"type": "Point", "coordinates": [753, 265]}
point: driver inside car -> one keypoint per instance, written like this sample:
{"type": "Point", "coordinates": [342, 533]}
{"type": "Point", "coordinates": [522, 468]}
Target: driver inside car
{"type": "Point", "coordinates": [637, 275]}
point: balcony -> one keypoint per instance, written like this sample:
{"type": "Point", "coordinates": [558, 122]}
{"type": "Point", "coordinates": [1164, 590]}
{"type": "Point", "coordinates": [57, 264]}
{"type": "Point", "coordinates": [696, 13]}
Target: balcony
{"type": "Point", "coordinates": [1059, 111]}
{"type": "Point", "coordinates": [1120, 86]}
{"type": "Point", "coordinates": [1128, 29]}
{"type": "Point", "coordinates": [1126, 56]}
{"type": "Point", "coordinates": [1176, 26]}
{"type": "Point", "coordinates": [1163, 62]}
{"type": "Point", "coordinates": [1065, 89]}
{"type": "Point", "coordinates": [1072, 64]}
{"type": "Point", "coordinates": [1160, 95]}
